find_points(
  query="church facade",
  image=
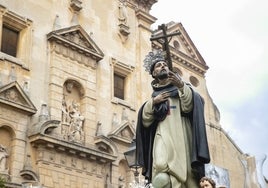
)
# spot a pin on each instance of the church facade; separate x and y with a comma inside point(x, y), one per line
point(71, 84)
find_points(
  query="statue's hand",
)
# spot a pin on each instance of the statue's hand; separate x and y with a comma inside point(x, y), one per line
point(161, 97)
point(175, 79)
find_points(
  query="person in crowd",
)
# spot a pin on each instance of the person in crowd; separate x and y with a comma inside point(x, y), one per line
point(206, 182)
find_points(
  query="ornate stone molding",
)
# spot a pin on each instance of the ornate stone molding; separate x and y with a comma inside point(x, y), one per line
point(76, 44)
point(13, 95)
point(145, 19)
point(145, 5)
point(123, 133)
point(76, 6)
point(29, 175)
point(124, 29)
point(105, 144)
point(123, 19)
point(193, 65)
point(44, 134)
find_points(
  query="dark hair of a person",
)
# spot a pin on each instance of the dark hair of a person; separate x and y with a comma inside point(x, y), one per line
point(211, 181)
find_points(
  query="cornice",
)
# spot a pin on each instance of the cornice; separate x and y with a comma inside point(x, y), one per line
point(145, 5)
point(71, 148)
point(145, 16)
point(123, 133)
point(42, 135)
point(14, 96)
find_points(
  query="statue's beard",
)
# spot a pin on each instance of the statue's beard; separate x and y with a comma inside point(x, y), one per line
point(162, 75)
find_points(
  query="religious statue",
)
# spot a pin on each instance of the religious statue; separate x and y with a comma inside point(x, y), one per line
point(65, 113)
point(76, 122)
point(3, 158)
point(121, 181)
point(122, 13)
point(171, 136)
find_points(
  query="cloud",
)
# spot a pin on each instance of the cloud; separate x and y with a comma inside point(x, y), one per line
point(248, 114)
point(248, 124)
point(252, 20)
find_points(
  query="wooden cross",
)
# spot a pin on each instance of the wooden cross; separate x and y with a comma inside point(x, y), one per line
point(165, 44)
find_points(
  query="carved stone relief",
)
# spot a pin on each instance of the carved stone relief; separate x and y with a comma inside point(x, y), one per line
point(72, 121)
point(77, 38)
point(99, 129)
point(123, 17)
point(12, 74)
point(3, 160)
point(13, 95)
point(76, 6)
point(126, 133)
point(123, 20)
point(75, 43)
point(122, 125)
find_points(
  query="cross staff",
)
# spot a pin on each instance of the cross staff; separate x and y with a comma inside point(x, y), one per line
point(165, 44)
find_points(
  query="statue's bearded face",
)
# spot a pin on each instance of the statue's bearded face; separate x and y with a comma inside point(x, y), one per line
point(161, 70)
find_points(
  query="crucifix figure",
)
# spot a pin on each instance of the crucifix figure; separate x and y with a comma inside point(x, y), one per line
point(165, 45)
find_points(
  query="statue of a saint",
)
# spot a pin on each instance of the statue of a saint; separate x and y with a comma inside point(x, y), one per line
point(76, 123)
point(3, 158)
point(122, 13)
point(170, 125)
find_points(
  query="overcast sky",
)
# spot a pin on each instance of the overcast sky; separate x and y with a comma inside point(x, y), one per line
point(232, 37)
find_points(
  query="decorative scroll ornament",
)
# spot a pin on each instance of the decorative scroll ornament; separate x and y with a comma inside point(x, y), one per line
point(152, 58)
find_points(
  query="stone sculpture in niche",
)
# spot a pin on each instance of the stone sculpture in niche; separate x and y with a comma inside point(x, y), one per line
point(121, 181)
point(65, 114)
point(123, 20)
point(122, 13)
point(3, 159)
point(12, 74)
point(76, 123)
point(72, 120)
